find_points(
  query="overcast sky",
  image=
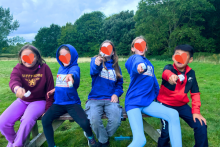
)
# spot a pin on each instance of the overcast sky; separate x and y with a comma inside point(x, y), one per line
point(34, 14)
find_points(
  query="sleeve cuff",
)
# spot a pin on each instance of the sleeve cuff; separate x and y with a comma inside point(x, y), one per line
point(195, 111)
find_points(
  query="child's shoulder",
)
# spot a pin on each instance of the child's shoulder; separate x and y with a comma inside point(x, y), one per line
point(168, 66)
point(44, 66)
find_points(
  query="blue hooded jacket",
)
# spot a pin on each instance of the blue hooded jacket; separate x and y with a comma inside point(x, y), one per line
point(104, 82)
point(143, 88)
point(65, 95)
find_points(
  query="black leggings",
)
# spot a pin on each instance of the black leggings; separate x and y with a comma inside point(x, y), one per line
point(55, 111)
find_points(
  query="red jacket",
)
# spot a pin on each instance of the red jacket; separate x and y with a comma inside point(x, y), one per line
point(176, 95)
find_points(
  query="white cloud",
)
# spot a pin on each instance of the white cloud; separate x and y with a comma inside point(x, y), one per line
point(35, 14)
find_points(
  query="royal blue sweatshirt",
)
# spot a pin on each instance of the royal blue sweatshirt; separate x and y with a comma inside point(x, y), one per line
point(143, 88)
point(104, 81)
point(64, 94)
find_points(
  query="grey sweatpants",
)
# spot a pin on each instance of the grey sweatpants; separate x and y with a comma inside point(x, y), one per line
point(95, 109)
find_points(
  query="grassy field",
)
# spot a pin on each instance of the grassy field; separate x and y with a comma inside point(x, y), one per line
point(71, 135)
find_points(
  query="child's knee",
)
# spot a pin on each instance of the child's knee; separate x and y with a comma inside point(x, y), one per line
point(173, 114)
point(95, 121)
point(202, 129)
point(45, 121)
point(84, 124)
point(2, 124)
point(28, 121)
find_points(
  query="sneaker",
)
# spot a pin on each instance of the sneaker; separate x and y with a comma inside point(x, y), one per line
point(99, 144)
point(105, 144)
point(91, 142)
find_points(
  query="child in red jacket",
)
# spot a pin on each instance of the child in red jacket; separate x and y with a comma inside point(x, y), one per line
point(177, 80)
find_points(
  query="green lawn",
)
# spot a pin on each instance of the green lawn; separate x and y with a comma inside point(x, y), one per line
point(70, 134)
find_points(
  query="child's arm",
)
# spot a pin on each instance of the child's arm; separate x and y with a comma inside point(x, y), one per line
point(196, 103)
point(156, 86)
point(95, 66)
point(49, 87)
point(15, 79)
point(168, 75)
point(51, 92)
point(15, 83)
point(75, 71)
point(167, 72)
point(195, 95)
point(137, 64)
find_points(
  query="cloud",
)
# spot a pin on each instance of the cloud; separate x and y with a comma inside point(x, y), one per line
point(35, 14)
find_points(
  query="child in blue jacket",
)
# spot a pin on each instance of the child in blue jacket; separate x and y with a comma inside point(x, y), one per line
point(104, 97)
point(66, 96)
point(142, 91)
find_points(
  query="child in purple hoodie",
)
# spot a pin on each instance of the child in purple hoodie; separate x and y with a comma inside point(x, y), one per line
point(34, 76)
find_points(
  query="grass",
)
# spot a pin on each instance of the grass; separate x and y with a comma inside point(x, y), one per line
point(70, 134)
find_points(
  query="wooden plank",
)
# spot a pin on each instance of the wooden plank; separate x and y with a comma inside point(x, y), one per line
point(68, 117)
point(34, 130)
point(151, 131)
point(27, 141)
point(40, 138)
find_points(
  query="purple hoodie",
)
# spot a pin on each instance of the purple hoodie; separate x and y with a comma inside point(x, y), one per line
point(37, 79)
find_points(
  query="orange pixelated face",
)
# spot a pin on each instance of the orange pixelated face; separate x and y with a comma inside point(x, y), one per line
point(65, 57)
point(28, 58)
point(139, 47)
point(181, 58)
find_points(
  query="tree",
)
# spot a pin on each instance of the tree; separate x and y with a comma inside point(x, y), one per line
point(120, 29)
point(212, 27)
point(7, 25)
point(69, 35)
point(88, 32)
point(46, 40)
point(166, 23)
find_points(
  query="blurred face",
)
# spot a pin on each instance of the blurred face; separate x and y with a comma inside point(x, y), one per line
point(28, 52)
point(106, 44)
point(64, 52)
point(179, 65)
point(136, 51)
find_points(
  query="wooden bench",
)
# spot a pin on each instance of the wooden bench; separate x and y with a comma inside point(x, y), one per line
point(39, 138)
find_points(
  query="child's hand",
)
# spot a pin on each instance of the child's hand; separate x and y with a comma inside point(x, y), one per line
point(98, 61)
point(51, 92)
point(69, 78)
point(172, 80)
point(140, 69)
point(20, 92)
point(199, 117)
point(114, 98)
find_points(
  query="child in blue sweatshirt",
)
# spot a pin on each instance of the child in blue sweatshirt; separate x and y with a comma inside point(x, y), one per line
point(142, 91)
point(66, 96)
point(104, 97)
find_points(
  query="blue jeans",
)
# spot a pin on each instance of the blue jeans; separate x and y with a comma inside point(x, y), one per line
point(95, 109)
point(200, 131)
point(155, 110)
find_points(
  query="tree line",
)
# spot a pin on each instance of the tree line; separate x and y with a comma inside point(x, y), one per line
point(164, 23)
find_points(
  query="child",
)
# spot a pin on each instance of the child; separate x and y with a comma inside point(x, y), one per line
point(104, 97)
point(66, 96)
point(34, 76)
point(173, 94)
point(143, 89)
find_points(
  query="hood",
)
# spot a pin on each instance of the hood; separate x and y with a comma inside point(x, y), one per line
point(73, 53)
